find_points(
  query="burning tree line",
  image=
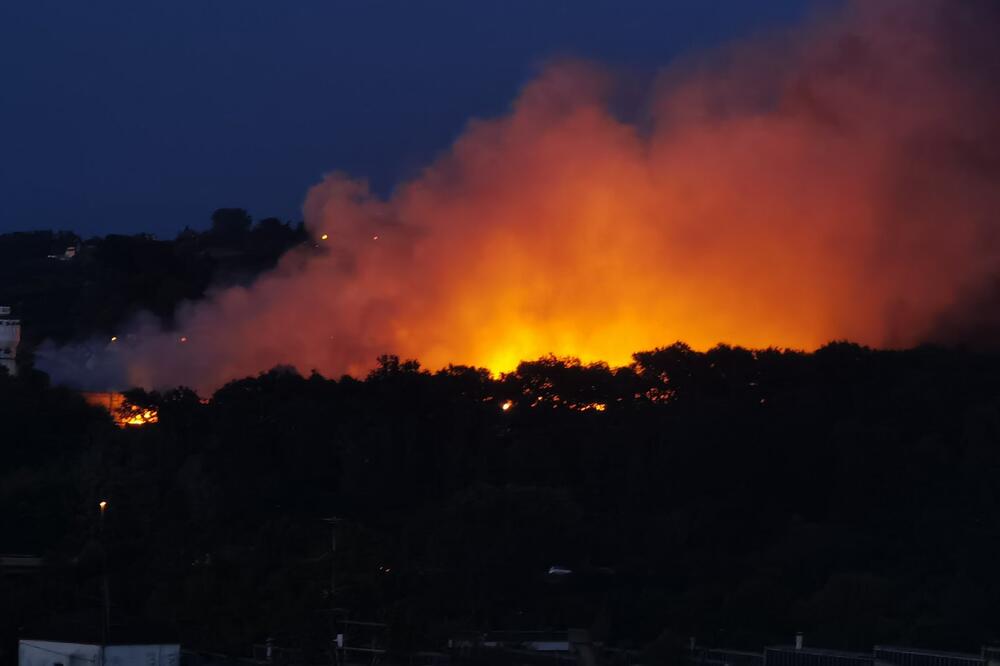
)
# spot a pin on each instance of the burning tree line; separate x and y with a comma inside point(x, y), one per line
point(835, 181)
point(731, 494)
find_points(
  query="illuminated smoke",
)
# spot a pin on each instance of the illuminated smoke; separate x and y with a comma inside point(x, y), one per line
point(836, 182)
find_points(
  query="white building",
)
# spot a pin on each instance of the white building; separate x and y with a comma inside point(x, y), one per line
point(55, 653)
point(10, 338)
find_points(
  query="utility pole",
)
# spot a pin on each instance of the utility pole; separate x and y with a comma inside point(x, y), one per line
point(333, 558)
point(337, 642)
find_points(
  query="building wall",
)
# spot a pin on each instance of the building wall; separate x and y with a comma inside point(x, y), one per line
point(792, 657)
point(53, 653)
point(891, 656)
point(142, 655)
point(50, 653)
point(10, 338)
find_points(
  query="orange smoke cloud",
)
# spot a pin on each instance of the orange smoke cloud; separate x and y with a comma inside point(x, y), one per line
point(838, 182)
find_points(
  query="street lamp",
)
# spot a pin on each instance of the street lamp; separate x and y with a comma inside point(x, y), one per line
point(102, 506)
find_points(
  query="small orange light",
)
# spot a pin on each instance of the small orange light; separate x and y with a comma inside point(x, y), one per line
point(507, 405)
point(324, 236)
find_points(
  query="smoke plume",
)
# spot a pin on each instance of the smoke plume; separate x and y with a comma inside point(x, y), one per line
point(838, 181)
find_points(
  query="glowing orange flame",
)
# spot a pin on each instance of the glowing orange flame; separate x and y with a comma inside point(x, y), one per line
point(765, 201)
point(137, 416)
point(121, 410)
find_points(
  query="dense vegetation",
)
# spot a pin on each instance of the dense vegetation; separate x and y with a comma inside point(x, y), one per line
point(733, 495)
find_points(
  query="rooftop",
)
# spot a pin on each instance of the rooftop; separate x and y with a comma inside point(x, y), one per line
point(929, 653)
point(820, 651)
point(30, 641)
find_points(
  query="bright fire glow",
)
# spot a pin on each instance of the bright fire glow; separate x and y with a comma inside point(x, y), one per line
point(825, 187)
point(121, 410)
point(136, 416)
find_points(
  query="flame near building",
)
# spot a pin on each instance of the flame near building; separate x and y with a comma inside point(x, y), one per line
point(839, 181)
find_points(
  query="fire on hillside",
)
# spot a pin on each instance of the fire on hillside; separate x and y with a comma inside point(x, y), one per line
point(121, 410)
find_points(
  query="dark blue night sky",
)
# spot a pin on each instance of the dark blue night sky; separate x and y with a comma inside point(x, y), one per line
point(139, 116)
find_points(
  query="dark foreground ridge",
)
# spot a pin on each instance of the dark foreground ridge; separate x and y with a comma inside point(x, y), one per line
point(732, 495)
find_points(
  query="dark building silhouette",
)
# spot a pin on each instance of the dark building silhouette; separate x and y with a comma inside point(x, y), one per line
point(791, 655)
point(902, 656)
point(723, 657)
point(881, 655)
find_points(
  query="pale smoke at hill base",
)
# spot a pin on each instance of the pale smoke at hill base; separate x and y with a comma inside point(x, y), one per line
point(838, 182)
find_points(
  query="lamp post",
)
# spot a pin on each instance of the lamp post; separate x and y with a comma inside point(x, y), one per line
point(102, 506)
point(333, 521)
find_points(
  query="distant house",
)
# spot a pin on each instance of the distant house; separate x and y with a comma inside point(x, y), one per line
point(56, 653)
point(68, 254)
point(10, 338)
